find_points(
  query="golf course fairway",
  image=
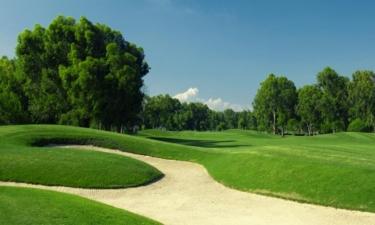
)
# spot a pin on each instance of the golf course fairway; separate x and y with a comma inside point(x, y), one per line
point(333, 170)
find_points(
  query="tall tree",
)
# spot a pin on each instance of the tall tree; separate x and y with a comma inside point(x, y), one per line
point(81, 73)
point(362, 97)
point(334, 104)
point(40, 52)
point(265, 103)
point(308, 107)
point(274, 103)
point(12, 100)
point(287, 100)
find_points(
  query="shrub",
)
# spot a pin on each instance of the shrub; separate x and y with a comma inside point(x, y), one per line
point(358, 125)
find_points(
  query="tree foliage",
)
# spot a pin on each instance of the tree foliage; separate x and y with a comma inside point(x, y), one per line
point(334, 102)
point(165, 112)
point(11, 95)
point(327, 106)
point(308, 107)
point(162, 112)
point(81, 73)
point(362, 97)
point(274, 103)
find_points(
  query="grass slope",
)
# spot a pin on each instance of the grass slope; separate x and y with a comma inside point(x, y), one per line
point(27, 206)
point(67, 167)
point(336, 170)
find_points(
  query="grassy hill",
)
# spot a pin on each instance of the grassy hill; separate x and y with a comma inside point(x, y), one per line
point(28, 206)
point(336, 170)
point(22, 161)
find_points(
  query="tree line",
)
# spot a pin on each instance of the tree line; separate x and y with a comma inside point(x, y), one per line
point(334, 103)
point(165, 112)
point(84, 74)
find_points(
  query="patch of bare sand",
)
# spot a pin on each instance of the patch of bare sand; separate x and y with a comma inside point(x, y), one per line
point(188, 195)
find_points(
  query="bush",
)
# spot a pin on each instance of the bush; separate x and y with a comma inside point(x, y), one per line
point(222, 126)
point(358, 125)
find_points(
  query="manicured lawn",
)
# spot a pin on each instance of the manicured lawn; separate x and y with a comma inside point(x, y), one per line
point(67, 167)
point(336, 170)
point(27, 206)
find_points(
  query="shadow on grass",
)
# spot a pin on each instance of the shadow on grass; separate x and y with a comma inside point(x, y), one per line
point(200, 143)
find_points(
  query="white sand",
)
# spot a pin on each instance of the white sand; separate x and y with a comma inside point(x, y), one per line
point(188, 195)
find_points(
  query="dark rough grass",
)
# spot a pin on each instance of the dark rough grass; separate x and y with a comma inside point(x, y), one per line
point(27, 206)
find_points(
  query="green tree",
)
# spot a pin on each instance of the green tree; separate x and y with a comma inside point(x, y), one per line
point(196, 116)
point(274, 103)
point(81, 73)
point(230, 117)
point(216, 120)
point(160, 112)
point(265, 103)
point(362, 97)
point(358, 125)
point(334, 104)
point(12, 100)
point(308, 107)
point(38, 61)
point(246, 120)
point(287, 100)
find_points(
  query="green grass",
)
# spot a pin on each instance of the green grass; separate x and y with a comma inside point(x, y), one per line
point(27, 206)
point(335, 170)
point(20, 162)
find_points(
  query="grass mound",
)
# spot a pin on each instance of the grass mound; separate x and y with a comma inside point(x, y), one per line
point(27, 206)
point(22, 161)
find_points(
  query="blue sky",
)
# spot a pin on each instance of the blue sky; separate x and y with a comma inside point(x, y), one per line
point(220, 50)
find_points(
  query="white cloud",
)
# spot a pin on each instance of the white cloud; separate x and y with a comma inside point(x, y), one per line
point(213, 103)
point(188, 95)
point(219, 105)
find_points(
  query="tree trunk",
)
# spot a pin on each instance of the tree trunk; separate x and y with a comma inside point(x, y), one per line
point(274, 122)
point(309, 129)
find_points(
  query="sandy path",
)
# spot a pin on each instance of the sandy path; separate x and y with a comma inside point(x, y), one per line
point(188, 195)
